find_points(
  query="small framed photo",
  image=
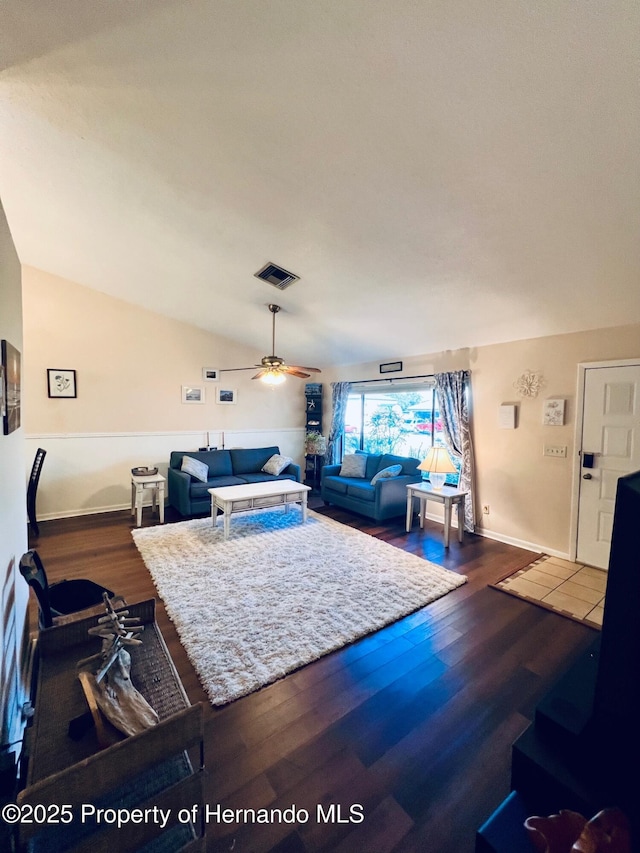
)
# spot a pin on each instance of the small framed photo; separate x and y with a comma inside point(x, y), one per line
point(226, 396)
point(11, 396)
point(507, 416)
point(61, 383)
point(553, 412)
point(210, 374)
point(192, 394)
point(391, 367)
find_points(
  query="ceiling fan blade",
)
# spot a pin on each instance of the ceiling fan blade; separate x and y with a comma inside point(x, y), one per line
point(236, 369)
point(309, 369)
point(293, 371)
point(259, 374)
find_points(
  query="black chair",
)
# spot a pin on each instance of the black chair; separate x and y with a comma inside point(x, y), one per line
point(62, 598)
point(32, 489)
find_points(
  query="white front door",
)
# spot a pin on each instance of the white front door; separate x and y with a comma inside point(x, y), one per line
point(611, 432)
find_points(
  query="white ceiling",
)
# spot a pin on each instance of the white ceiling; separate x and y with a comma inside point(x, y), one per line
point(439, 173)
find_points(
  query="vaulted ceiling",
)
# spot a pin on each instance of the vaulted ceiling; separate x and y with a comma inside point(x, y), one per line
point(439, 173)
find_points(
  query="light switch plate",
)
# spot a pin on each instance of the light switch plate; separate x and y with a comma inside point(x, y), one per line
point(557, 450)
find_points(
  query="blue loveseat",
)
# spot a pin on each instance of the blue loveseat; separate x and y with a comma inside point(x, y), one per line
point(386, 499)
point(226, 468)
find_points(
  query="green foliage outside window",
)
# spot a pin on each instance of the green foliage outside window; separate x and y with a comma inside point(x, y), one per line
point(403, 423)
point(382, 430)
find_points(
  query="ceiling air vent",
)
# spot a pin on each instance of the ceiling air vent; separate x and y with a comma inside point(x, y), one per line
point(276, 276)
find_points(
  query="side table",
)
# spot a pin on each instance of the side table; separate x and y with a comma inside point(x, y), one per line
point(140, 485)
point(447, 495)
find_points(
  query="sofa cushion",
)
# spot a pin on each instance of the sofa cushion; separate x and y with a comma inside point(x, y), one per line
point(249, 460)
point(373, 463)
point(336, 484)
point(409, 465)
point(354, 465)
point(199, 490)
point(386, 473)
point(261, 477)
point(198, 470)
point(361, 491)
point(220, 464)
point(276, 464)
point(219, 461)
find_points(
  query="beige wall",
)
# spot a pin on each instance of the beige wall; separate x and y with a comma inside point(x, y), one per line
point(131, 364)
point(13, 523)
point(529, 495)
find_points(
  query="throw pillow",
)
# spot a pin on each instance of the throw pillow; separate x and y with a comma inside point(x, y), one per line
point(276, 464)
point(354, 465)
point(197, 469)
point(386, 473)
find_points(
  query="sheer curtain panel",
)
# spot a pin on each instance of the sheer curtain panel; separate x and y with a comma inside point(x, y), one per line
point(339, 406)
point(454, 393)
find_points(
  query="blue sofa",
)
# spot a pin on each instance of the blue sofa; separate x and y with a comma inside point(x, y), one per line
point(386, 499)
point(226, 468)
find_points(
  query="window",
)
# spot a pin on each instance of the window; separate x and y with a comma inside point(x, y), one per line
point(405, 421)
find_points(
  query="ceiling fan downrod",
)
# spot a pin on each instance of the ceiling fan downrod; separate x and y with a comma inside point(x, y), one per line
point(274, 310)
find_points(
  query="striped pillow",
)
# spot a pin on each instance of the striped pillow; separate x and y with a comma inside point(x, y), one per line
point(197, 469)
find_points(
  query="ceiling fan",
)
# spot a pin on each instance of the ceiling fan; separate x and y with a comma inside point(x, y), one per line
point(273, 370)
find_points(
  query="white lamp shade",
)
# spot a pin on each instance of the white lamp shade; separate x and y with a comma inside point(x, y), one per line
point(438, 461)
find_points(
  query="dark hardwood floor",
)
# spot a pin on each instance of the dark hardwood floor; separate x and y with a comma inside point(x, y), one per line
point(414, 723)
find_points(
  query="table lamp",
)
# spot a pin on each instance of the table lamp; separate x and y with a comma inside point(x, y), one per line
point(438, 463)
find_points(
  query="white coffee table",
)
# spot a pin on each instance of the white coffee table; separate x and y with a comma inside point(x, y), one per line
point(272, 493)
point(447, 495)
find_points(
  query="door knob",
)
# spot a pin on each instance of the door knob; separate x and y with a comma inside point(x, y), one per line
point(587, 476)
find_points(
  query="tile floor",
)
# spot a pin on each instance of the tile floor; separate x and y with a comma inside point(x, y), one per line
point(568, 588)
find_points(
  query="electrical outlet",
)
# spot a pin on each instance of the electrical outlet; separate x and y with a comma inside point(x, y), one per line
point(485, 509)
point(557, 450)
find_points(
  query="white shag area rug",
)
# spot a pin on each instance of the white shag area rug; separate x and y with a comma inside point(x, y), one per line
point(279, 594)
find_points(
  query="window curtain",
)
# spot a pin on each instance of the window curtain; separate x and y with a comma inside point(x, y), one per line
point(454, 393)
point(339, 408)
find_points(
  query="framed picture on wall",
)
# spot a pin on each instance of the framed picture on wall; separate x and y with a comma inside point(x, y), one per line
point(11, 395)
point(210, 374)
point(61, 383)
point(192, 394)
point(226, 396)
point(553, 412)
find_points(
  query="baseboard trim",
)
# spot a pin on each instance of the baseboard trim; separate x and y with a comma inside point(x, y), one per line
point(521, 543)
point(76, 513)
point(536, 547)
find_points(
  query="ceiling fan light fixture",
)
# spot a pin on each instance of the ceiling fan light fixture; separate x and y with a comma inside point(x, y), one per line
point(273, 377)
